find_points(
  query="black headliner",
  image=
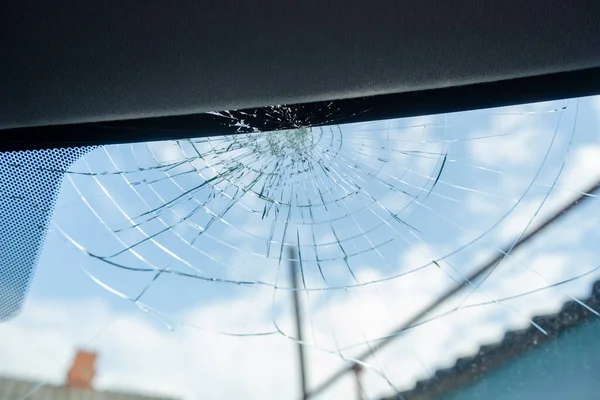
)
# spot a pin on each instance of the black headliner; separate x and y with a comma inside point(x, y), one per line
point(72, 61)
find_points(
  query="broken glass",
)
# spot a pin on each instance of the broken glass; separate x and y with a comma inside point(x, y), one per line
point(171, 259)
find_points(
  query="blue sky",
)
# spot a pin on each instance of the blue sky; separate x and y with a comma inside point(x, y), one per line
point(371, 206)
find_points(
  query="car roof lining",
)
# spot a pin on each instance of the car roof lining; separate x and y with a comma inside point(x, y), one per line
point(68, 62)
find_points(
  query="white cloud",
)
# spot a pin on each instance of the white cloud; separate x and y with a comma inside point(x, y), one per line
point(137, 354)
point(521, 143)
point(166, 151)
point(581, 170)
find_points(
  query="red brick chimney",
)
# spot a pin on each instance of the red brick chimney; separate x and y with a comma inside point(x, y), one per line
point(82, 370)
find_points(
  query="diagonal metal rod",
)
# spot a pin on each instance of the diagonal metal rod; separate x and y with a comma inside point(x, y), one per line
point(451, 292)
point(293, 259)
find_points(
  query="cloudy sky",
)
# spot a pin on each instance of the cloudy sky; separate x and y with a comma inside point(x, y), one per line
point(170, 259)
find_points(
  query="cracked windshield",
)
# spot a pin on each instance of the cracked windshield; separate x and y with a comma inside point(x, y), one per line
point(448, 256)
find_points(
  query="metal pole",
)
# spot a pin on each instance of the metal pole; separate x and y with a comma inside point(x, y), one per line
point(293, 259)
point(357, 369)
point(432, 306)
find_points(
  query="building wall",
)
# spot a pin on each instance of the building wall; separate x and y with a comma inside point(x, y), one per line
point(564, 368)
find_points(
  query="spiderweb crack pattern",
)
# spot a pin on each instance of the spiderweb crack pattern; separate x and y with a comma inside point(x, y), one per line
point(224, 210)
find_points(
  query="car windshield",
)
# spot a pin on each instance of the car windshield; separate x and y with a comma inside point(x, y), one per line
point(447, 256)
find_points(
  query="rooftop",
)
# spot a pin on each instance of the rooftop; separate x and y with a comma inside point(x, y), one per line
point(11, 388)
point(514, 344)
